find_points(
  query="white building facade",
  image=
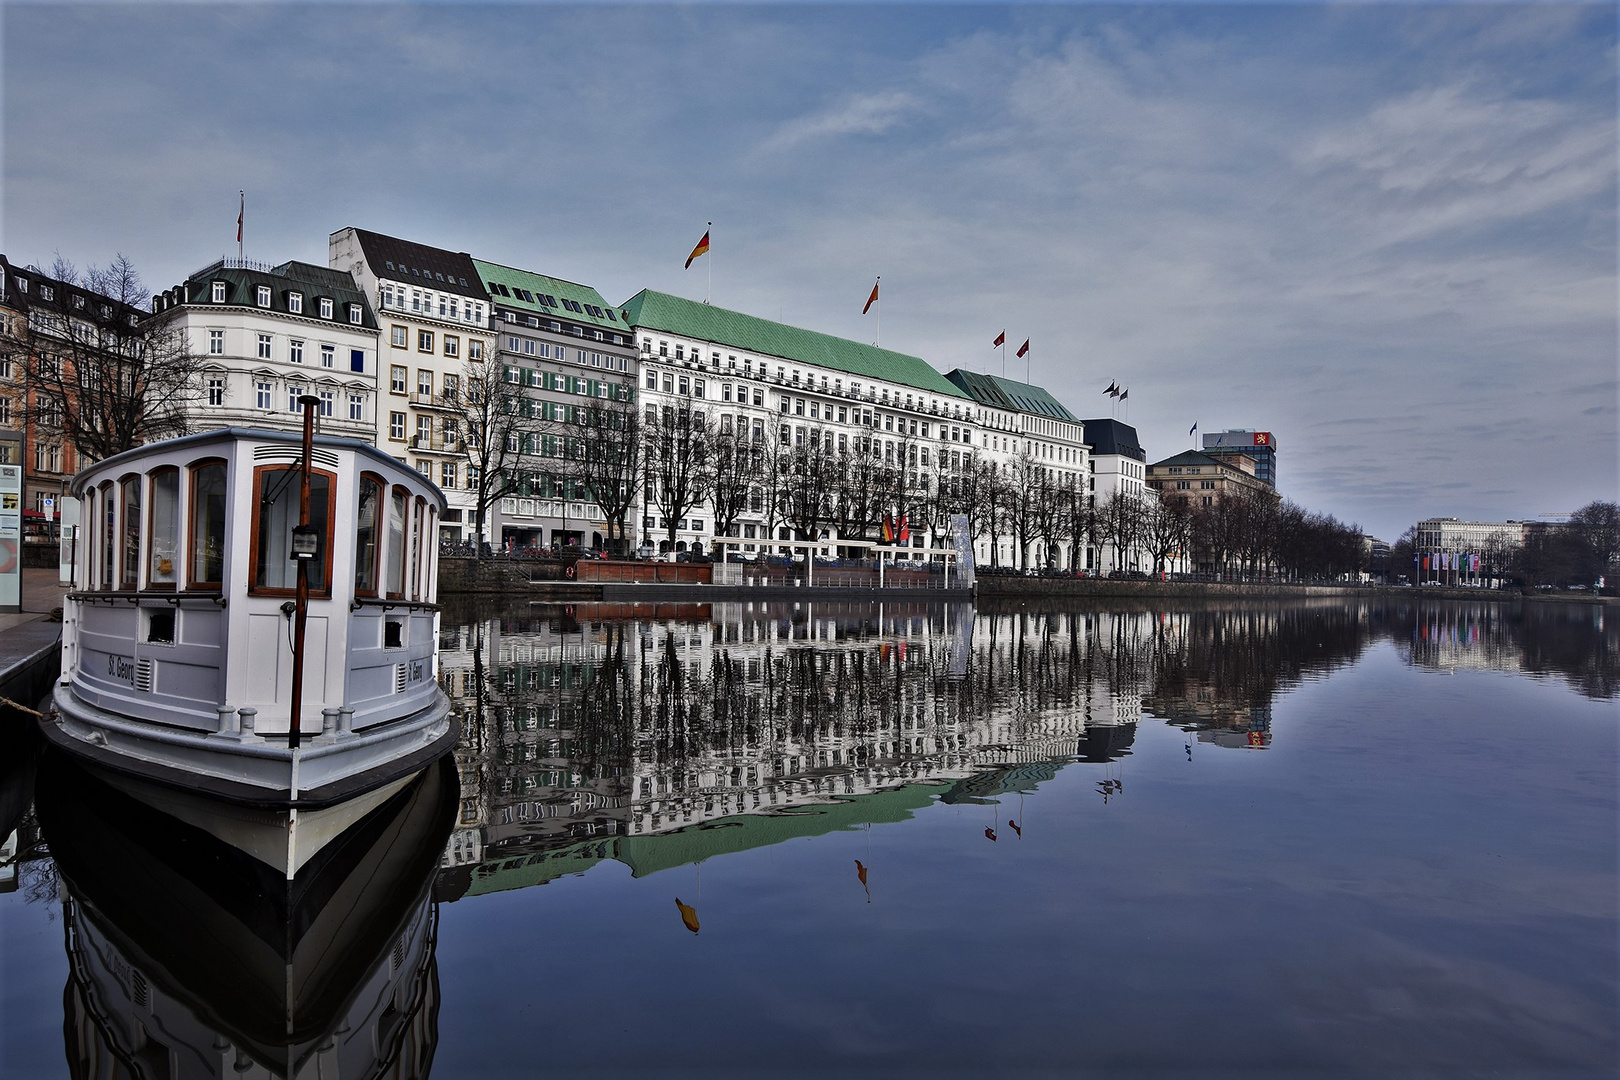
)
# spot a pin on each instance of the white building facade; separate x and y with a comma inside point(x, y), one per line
point(791, 388)
point(433, 319)
point(269, 335)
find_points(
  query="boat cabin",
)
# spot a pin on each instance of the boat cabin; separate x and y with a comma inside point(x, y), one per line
point(181, 615)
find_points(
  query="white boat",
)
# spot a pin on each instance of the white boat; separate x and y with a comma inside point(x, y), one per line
point(178, 657)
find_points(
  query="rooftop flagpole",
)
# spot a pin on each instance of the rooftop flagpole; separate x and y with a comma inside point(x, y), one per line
point(241, 212)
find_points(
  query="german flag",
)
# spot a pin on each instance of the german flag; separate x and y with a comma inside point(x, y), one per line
point(701, 249)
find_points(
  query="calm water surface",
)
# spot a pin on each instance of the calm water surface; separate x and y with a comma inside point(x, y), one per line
point(839, 840)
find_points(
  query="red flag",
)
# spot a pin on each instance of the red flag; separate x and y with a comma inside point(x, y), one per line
point(1024, 348)
point(240, 211)
point(870, 300)
point(1001, 339)
point(701, 249)
point(905, 529)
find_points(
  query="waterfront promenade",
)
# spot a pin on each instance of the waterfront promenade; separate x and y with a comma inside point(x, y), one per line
point(29, 640)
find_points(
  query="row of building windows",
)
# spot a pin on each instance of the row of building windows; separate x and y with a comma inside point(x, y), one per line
point(264, 349)
point(263, 295)
point(399, 337)
point(448, 307)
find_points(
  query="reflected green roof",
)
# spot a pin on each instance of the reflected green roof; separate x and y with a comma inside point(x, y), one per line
point(726, 836)
point(688, 318)
point(495, 275)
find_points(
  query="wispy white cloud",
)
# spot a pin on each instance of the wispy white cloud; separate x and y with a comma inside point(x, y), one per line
point(856, 114)
point(1254, 216)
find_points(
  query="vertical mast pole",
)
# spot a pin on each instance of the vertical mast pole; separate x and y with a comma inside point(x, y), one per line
point(301, 596)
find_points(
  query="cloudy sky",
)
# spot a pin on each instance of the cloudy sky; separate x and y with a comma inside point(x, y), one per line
point(1385, 233)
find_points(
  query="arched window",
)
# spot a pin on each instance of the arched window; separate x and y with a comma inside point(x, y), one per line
point(206, 563)
point(394, 564)
point(418, 518)
point(368, 523)
point(275, 514)
point(129, 562)
point(163, 558)
point(109, 535)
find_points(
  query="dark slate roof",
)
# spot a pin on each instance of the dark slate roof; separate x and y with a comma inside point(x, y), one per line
point(1109, 436)
point(676, 315)
point(408, 261)
point(1010, 394)
point(242, 279)
point(97, 307)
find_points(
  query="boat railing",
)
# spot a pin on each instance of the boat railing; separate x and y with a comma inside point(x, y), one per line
point(140, 596)
point(391, 605)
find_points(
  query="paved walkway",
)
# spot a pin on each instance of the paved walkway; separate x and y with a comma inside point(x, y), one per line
point(24, 637)
point(40, 593)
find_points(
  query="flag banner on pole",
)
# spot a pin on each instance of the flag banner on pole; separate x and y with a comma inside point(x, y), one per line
point(1024, 348)
point(1001, 339)
point(905, 529)
point(888, 529)
point(870, 300)
point(1113, 389)
point(241, 211)
point(1123, 394)
point(701, 249)
point(1193, 430)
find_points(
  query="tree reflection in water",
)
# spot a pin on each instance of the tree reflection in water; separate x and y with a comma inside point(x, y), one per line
point(593, 730)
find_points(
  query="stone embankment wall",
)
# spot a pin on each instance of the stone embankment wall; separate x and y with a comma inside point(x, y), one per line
point(534, 580)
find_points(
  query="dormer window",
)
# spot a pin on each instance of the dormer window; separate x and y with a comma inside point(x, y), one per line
point(216, 292)
point(46, 292)
point(354, 314)
point(78, 303)
point(326, 307)
point(261, 295)
point(295, 303)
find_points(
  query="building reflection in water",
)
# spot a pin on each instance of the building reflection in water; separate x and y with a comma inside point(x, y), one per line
point(659, 735)
point(188, 959)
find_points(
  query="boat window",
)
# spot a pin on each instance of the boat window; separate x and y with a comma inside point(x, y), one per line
point(416, 550)
point(165, 549)
point(207, 562)
point(129, 570)
point(109, 537)
point(395, 575)
point(160, 625)
point(365, 537)
point(275, 512)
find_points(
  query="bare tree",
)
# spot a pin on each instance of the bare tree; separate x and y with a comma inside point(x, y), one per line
point(857, 504)
point(734, 478)
point(500, 424)
point(807, 488)
point(678, 465)
point(602, 448)
point(1166, 526)
point(103, 376)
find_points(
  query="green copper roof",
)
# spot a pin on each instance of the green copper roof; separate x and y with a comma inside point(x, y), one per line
point(1003, 393)
point(688, 318)
point(596, 311)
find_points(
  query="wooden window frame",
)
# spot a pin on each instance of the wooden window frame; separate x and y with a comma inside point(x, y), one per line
point(151, 527)
point(107, 525)
point(125, 583)
point(259, 472)
point(379, 557)
point(189, 522)
point(404, 539)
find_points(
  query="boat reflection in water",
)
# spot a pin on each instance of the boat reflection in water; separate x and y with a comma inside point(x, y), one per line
point(189, 958)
